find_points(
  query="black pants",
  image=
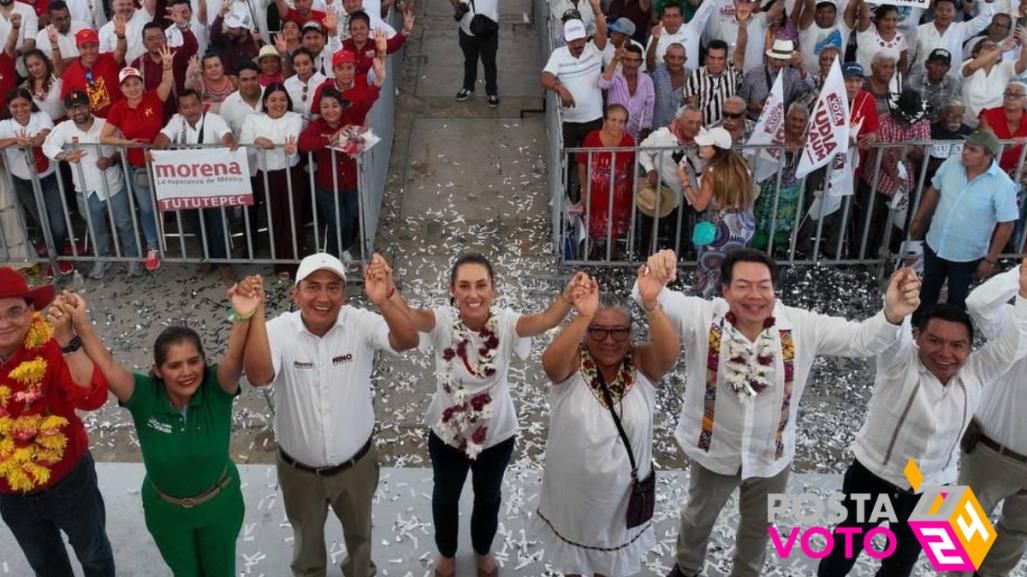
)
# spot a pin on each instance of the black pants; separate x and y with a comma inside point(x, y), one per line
point(449, 471)
point(859, 479)
point(936, 271)
point(872, 205)
point(574, 134)
point(475, 47)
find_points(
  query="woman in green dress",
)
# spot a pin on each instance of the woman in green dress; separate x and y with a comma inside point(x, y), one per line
point(783, 222)
point(182, 412)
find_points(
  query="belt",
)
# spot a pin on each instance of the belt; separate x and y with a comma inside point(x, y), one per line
point(190, 502)
point(1001, 449)
point(331, 470)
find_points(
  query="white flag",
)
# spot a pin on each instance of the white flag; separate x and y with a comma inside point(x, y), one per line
point(770, 129)
point(839, 185)
point(829, 125)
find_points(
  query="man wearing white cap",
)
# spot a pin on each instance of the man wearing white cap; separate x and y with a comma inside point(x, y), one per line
point(320, 358)
point(782, 58)
point(573, 72)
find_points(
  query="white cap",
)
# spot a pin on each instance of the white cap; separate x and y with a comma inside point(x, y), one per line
point(573, 30)
point(320, 261)
point(128, 72)
point(718, 137)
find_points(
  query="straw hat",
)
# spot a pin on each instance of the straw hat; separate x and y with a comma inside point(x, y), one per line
point(646, 200)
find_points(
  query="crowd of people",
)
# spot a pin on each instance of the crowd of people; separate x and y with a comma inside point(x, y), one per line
point(748, 355)
point(665, 81)
point(85, 95)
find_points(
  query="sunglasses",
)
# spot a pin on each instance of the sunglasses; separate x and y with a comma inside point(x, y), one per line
point(733, 114)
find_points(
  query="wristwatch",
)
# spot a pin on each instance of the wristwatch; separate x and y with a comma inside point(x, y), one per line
point(74, 345)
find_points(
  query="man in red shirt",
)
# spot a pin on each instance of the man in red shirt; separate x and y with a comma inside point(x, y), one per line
point(47, 475)
point(94, 73)
point(354, 89)
point(301, 14)
point(8, 75)
point(150, 64)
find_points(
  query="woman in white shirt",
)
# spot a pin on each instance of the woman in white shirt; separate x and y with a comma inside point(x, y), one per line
point(472, 417)
point(43, 84)
point(881, 35)
point(601, 433)
point(277, 181)
point(303, 84)
point(21, 137)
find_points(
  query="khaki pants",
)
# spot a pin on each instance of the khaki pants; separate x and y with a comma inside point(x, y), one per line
point(994, 478)
point(707, 494)
point(307, 497)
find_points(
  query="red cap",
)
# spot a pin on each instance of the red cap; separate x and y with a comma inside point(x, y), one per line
point(86, 36)
point(343, 57)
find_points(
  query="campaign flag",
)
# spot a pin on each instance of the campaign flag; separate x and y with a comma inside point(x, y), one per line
point(770, 129)
point(829, 125)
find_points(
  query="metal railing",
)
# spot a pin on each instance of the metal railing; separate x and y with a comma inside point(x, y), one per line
point(859, 231)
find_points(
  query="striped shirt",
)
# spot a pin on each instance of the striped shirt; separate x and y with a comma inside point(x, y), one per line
point(581, 78)
point(712, 91)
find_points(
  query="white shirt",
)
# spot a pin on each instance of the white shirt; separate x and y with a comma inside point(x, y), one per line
point(29, 25)
point(869, 43)
point(342, 23)
point(984, 90)
point(912, 415)
point(724, 26)
point(277, 130)
point(175, 39)
point(179, 131)
point(503, 423)
point(581, 77)
point(1002, 407)
point(300, 104)
point(51, 102)
point(133, 35)
point(88, 11)
point(688, 35)
point(68, 132)
point(16, 159)
point(810, 37)
point(928, 38)
point(662, 161)
point(66, 42)
point(489, 8)
point(558, 7)
point(322, 385)
point(235, 110)
point(743, 437)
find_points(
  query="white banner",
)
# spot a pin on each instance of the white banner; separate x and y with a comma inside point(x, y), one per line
point(201, 178)
point(770, 129)
point(839, 185)
point(829, 125)
point(925, 4)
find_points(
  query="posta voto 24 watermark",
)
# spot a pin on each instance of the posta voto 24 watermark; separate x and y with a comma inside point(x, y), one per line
point(948, 521)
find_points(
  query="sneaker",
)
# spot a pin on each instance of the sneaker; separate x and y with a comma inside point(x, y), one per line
point(152, 260)
point(99, 270)
point(464, 94)
point(134, 269)
point(493, 101)
point(64, 267)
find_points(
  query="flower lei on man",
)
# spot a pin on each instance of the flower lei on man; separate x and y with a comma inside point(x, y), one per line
point(746, 378)
point(465, 422)
point(33, 441)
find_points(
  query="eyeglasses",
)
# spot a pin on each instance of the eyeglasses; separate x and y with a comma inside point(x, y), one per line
point(619, 334)
point(733, 114)
point(13, 314)
point(1009, 94)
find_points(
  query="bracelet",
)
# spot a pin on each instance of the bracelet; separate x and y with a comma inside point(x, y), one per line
point(235, 317)
point(654, 309)
point(120, 36)
point(74, 345)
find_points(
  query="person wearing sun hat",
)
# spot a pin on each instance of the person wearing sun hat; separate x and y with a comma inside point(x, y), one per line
point(47, 474)
point(971, 209)
point(94, 73)
point(319, 359)
point(781, 58)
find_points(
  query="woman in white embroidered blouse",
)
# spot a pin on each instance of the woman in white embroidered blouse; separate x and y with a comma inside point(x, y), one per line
point(278, 181)
point(593, 364)
point(472, 417)
point(44, 84)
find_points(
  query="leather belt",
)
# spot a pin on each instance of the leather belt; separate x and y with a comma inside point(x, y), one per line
point(190, 502)
point(333, 469)
point(1001, 449)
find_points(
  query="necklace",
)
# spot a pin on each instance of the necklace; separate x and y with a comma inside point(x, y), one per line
point(464, 423)
point(749, 363)
point(620, 385)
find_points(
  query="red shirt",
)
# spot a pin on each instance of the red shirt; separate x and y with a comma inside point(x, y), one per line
point(315, 15)
point(365, 56)
point(316, 137)
point(100, 82)
point(996, 119)
point(61, 397)
point(8, 78)
point(361, 97)
point(154, 71)
point(865, 108)
point(597, 198)
point(143, 122)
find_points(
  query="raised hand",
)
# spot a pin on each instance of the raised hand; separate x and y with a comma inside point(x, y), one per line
point(330, 21)
point(656, 31)
point(51, 34)
point(578, 281)
point(247, 295)
point(74, 305)
point(586, 299)
point(226, 7)
point(61, 321)
point(119, 25)
point(193, 68)
point(290, 145)
point(903, 296)
point(381, 42)
point(378, 65)
point(22, 138)
point(280, 45)
point(408, 19)
point(649, 285)
point(167, 57)
point(377, 280)
point(15, 20)
point(664, 264)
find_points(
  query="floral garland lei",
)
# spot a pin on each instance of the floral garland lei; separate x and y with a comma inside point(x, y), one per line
point(618, 388)
point(746, 378)
point(33, 442)
point(465, 423)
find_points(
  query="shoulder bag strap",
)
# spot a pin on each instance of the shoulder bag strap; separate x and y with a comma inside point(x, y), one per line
point(616, 421)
